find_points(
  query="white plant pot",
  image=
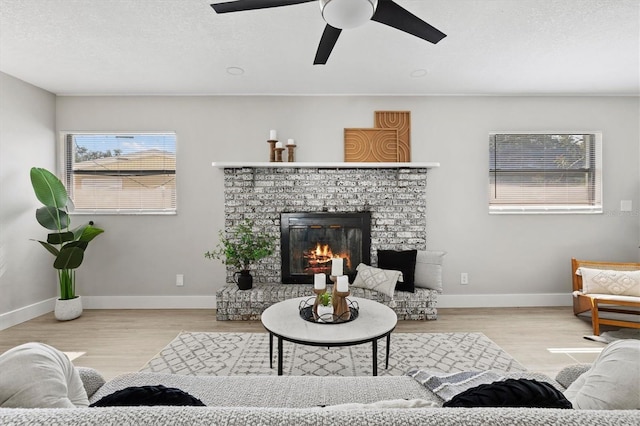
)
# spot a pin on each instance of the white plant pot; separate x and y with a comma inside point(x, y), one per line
point(68, 309)
point(325, 313)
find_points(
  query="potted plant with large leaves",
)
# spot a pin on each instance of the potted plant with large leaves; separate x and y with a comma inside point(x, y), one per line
point(243, 247)
point(67, 245)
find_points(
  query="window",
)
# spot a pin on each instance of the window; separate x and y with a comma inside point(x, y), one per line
point(545, 173)
point(121, 173)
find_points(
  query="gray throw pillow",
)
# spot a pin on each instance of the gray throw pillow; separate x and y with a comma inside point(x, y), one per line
point(380, 280)
point(429, 269)
point(35, 375)
point(613, 381)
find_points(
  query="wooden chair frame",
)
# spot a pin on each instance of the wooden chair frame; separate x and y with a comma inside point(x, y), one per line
point(585, 302)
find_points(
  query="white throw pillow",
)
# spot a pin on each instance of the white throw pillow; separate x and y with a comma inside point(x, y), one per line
point(429, 269)
point(606, 281)
point(380, 280)
point(612, 382)
point(35, 375)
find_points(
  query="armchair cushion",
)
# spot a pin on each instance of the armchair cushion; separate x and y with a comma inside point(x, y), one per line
point(608, 281)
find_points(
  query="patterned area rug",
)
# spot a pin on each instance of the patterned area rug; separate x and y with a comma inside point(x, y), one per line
point(231, 354)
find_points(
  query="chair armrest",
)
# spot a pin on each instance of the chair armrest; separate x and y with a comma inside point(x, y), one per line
point(570, 373)
point(91, 379)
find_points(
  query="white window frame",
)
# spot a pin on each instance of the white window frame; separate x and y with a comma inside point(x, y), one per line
point(67, 177)
point(515, 208)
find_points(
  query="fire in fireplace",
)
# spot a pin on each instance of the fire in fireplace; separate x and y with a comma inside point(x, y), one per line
point(309, 241)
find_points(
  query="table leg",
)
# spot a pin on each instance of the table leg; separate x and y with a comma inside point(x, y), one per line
point(388, 347)
point(374, 346)
point(279, 356)
point(270, 350)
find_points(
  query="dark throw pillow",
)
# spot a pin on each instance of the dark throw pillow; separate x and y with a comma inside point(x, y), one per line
point(147, 395)
point(403, 261)
point(511, 393)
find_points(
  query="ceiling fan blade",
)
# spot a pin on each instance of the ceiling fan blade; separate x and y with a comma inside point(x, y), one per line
point(390, 13)
point(328, 40)
point(240, 5)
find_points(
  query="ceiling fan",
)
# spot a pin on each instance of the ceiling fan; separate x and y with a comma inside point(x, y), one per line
point(342, 14)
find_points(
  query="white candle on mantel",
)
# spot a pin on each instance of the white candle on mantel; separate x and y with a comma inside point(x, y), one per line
point(273, 135)
point(337, 267)
point(278, 144)
point(319, 281)
point(342, 284)
point(291, 142)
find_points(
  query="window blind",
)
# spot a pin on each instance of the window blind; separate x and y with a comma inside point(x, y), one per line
point(545, 172)
point(121, 173)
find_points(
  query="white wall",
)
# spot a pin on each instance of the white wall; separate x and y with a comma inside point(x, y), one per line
point(524, 259)
point(27, 139)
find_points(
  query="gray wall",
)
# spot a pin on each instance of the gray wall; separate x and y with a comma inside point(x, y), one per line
point(524, 255)
point(27, 139)
point(511, 260)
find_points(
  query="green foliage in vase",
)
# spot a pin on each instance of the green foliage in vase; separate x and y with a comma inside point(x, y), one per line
point(243, 246)
point(66, 244)
point(325, 299)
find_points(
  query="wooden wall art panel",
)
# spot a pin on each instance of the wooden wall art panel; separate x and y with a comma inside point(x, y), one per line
point(400, 120)
point(370, 145)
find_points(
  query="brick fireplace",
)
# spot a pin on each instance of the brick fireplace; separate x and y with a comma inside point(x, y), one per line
point(395, 198)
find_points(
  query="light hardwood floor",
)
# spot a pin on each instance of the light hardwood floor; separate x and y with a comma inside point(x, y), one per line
point(119, 341)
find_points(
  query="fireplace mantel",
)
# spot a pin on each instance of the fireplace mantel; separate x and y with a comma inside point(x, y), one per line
point(324, 165)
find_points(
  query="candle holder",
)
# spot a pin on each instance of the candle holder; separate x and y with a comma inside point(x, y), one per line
point(272, 150)
point(291, 155)
point(278, 154)
point(317, 301)
point(340, 307)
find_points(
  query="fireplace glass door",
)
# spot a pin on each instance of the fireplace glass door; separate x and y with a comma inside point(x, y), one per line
point(309, 242)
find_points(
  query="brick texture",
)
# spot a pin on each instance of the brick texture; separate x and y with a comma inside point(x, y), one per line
point(396, 199)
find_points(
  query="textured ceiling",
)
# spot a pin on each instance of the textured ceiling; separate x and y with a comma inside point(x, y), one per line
point(166, 47)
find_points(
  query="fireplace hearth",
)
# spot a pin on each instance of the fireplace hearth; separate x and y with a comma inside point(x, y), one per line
point(310, 240)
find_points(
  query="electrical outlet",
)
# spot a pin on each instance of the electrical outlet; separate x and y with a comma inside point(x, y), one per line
point(626, 205)
point(179, 280)
point(464, 278)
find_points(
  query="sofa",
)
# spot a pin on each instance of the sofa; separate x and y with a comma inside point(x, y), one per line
point(303, 400)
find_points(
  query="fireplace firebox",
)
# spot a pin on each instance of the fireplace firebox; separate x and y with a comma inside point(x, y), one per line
point(310, 240)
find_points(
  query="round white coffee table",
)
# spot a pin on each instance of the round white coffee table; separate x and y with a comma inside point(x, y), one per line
point(374, 321)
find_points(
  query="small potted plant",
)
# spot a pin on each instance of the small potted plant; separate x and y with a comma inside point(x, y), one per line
point(325, 308)
point(243, 247)
point(66, 244)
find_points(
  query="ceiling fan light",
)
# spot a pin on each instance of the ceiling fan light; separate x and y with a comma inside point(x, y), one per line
point(347, 13)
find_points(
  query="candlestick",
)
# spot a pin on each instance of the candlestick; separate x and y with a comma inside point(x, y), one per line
point(278, 154)
point(272, 150)
point(273, 135)
point(291, 151)
point(337, 266)
point(341, 309)
point(319, 281)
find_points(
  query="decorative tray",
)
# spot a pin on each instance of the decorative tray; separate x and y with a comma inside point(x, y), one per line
point(307, 314)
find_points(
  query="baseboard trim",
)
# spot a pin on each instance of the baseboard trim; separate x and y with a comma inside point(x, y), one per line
point(30, 312)
point(503, 300)
point(149, 302)
point(26, 313)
